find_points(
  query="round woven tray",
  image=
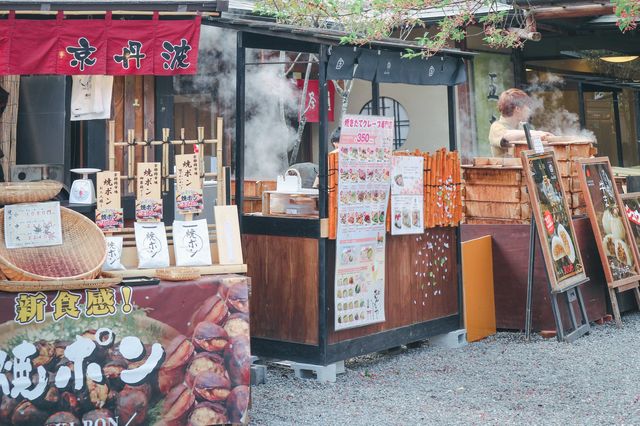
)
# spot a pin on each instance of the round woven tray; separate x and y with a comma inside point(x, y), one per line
point(178, 274)
point(80, 256)
point(28, 192)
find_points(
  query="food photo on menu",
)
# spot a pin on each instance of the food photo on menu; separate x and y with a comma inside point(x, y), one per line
point(555, 218)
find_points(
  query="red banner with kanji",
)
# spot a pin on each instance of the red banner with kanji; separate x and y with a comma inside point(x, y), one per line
point(98, 46)
point(312, 104)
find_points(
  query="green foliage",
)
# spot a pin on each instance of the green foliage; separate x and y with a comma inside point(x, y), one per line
point(366, 20)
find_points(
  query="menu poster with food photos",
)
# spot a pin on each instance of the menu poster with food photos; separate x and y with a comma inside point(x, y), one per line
point(407, 195)
point(364, 163)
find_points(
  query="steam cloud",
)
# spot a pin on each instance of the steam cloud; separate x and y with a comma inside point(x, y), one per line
point(548, 108)
point(271, 100)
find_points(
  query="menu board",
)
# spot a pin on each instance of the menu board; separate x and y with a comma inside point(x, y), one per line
point(610, 226)
point(407, 195)
point(32, 225)
point(364, 163)
point(553, 220)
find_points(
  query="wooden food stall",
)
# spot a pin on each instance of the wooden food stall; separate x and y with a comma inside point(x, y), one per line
point(292, 260)
point(104, 347)
point(497, 204)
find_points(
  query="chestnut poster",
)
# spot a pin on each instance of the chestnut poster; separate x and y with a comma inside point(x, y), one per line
point(176, 353)
point(407, 195)
point(364, 163)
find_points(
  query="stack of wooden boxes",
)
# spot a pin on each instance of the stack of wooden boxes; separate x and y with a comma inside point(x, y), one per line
point(495, 188)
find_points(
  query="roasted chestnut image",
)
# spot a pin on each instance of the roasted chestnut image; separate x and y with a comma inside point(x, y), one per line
point(204, 361)
point(237, 325)
point(69, 402)
point(7, 405)
point(132, 405)
point(178, 403)
point(238, 298)
point(237, 357)
point(237, 403)
point(46, 354)
point(94, 416)
point(144, 388)
point(98, 393)
point(28, 414)
point(214, 310)
point(212, 387)
point(210, 337)
point(59, 347)
point(111, 372)
point(62, 418)
point(50, 399)
point(207, 413)
point(179, 353)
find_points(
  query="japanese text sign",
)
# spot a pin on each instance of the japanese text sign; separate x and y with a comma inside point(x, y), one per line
point(108, 184)
point(187, 172)
point(312, 104)
point(99, 46)
point(148, 181)
point(32, 225)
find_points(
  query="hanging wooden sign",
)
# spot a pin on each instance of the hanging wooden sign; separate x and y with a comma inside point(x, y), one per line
point(553, 220)
point(611, 229)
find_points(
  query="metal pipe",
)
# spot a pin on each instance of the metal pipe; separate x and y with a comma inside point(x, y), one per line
point(581, 106)
point(240, 116)
point(616, 118)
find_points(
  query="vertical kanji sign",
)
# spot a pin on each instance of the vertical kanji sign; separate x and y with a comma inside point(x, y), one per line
point(188, 184)
point(148, 195)
point(99, 46)
point(109, 214)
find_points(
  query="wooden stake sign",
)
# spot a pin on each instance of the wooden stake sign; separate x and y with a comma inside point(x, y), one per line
point(148, 194)
point(611, 229)
point(188, 184)
point(109, 215)
point(553, 220)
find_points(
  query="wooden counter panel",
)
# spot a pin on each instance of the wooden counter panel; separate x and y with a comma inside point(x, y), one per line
point(421, 282)
point(510, 266)
point(284, 287)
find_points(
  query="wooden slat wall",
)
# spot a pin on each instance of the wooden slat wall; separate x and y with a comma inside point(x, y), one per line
point(421, 282)
point(133, 105)
point(284, 289)
point(9, 122)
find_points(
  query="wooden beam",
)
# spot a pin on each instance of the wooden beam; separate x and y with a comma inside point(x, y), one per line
point(568, 12)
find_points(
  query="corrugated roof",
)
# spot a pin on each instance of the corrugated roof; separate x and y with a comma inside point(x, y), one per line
point(128, 5)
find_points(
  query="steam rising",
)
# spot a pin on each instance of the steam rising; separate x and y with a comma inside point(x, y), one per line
point(548, 108)
point(271, 99)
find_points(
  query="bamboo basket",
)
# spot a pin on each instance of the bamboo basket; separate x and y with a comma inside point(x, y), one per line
point(178, 274)
point(28, 192)
point(80, 256)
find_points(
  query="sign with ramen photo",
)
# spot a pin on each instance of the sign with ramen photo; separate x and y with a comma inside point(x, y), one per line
point(553, 220)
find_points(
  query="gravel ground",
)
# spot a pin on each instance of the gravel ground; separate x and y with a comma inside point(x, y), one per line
point(500, 380)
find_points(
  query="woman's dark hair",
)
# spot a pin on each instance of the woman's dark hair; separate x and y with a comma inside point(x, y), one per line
point(335, 136)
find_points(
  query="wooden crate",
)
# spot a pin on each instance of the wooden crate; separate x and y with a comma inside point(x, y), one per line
point(493, 221)
point(493, 209)
point(495, 176)
point(506, 194)
point(564, 148)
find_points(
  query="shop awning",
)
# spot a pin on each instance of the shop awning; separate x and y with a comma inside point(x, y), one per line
point(98, 45)
point(346, 63)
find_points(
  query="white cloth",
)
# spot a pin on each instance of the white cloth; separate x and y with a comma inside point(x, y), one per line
point(91, 97)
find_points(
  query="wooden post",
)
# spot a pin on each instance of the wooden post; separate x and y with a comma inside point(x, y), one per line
point(132, 158)
point(220, 177)
point(165, 158)
point(146, 147)
point(112, 147)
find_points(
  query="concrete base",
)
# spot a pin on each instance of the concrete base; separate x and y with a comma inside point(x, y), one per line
point(452, 340)
point(258, 372)
point(321, 373)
